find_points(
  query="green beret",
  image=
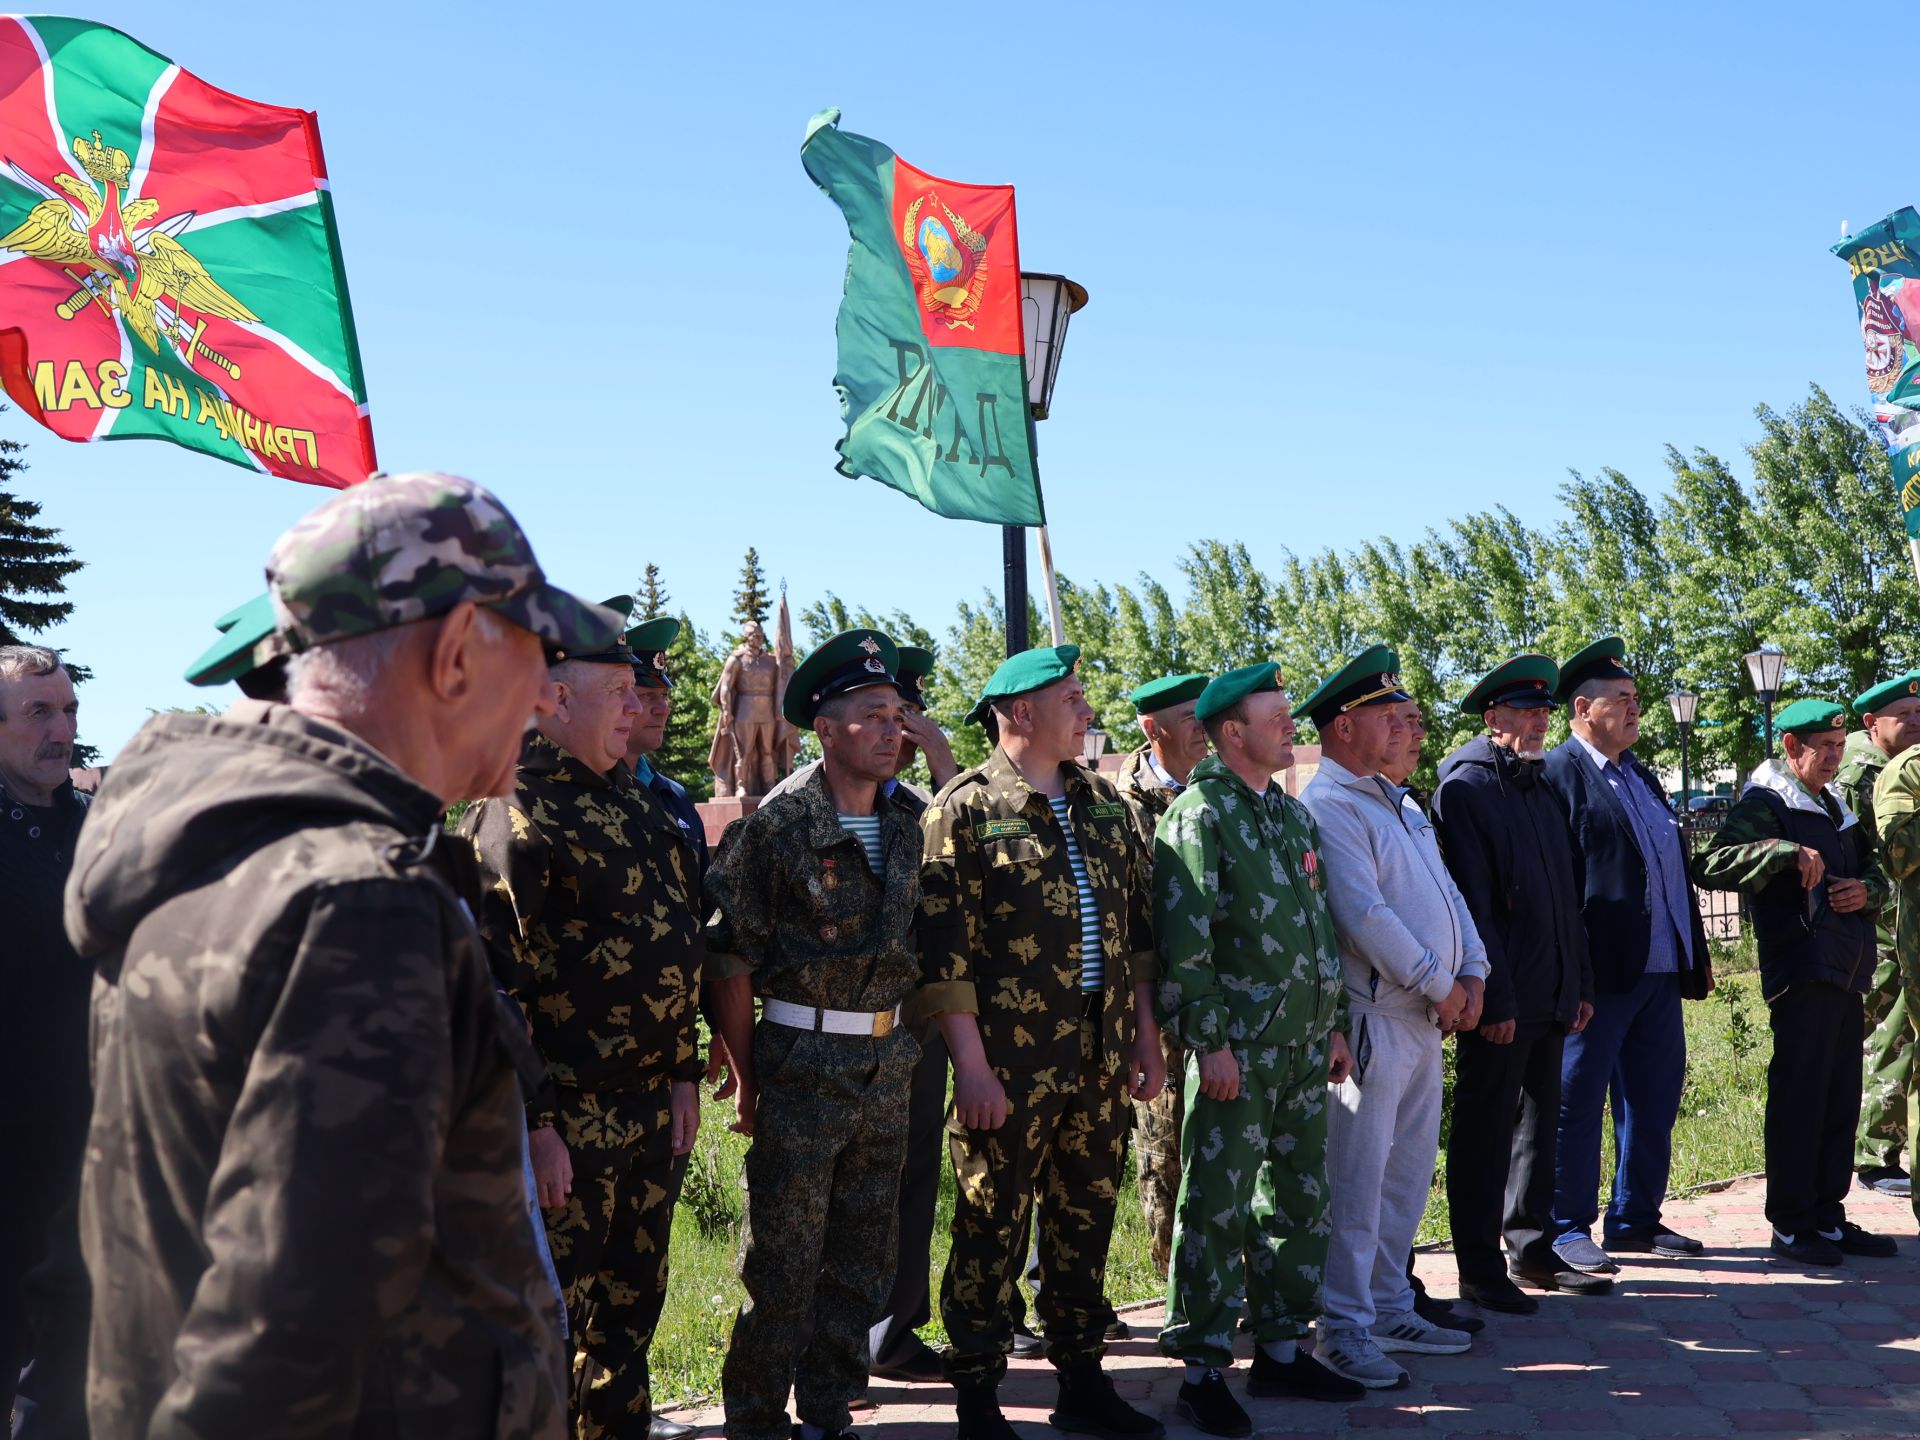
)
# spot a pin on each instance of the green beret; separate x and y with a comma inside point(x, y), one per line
point(915, 665)
point(1027, 671)
point(1223, 692)
point(852, 660)
point(1887, 692)
point(243, 647)
point(1604, 659)
point(1810, 717)
point(649, 641)
point(1527, 681)
point(615, 652)
point(1371, 678)
point(1167, 691)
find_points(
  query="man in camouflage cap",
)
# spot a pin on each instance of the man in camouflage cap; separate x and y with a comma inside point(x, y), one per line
point(813, 899)
point(303, 1206)
point(1890, 716)
point(592, 916)
point(1253, 985)
point(1037, 957)
point(1813, 885)
point(1149, 778)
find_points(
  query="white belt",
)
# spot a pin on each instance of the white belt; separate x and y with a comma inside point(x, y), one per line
point(830, 1022)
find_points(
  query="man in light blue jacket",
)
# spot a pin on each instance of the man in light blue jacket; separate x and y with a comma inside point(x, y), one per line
point(1415, 970)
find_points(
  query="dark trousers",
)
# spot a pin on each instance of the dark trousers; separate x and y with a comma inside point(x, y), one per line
point(1636, 1047)
point(1506, 1112)
point(1813, 1104)
point(891, 1341)
point(44, 1310)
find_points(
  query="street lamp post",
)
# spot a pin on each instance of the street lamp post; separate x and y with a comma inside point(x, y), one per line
point(1685, 705)
point(1093, 747)
point(1047, 303)
point(1765, 667)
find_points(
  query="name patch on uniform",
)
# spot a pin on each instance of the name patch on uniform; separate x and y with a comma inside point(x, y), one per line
point(1108, 810)
point(1000, 829)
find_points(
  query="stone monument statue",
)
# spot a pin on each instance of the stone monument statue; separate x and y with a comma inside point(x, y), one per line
point(753, 745)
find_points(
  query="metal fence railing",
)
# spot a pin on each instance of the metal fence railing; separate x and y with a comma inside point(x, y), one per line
point(1720, 910)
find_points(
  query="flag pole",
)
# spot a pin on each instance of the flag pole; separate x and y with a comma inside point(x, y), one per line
point(1053, 585)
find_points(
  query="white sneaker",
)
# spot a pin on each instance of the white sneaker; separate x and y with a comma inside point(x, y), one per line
point(1414, 1334)
point(1353, 1354)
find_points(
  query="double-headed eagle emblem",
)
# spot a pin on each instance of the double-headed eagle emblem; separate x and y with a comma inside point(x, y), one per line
point(948, 260)
point(139, 271)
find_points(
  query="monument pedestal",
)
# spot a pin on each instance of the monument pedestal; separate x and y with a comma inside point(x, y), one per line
point(716, 815)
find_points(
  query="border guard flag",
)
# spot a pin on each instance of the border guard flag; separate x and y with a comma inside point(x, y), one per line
point(1885, 261)
point(932, 367)
point(169, 267)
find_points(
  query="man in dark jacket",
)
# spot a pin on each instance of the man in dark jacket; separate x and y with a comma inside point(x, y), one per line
point(1508, 847)
point(1648, 950)
point(1814, 884)
point(303, 1207)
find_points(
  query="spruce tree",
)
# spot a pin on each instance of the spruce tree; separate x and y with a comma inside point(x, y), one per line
point(34, 564)
point(650, 596)
point(750, 600)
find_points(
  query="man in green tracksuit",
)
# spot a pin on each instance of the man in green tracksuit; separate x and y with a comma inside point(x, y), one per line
point(1252, 986)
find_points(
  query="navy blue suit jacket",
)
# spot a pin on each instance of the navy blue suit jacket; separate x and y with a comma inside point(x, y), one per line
point(1613, 875)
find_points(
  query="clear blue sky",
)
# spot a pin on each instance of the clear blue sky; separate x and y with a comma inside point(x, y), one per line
point(1353, 272)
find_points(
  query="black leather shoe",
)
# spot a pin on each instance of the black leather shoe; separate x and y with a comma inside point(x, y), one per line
point(1089, 1406)
point(1810, 1248)
point(921, 1367)
point(1567, 1282)
point(1852, 1240)
point(1026, 1344)
point(978, 1410)
point(795, 1433)
point(1301, 1378)
point(1210, 1406)
point(1435, 1311)
point(1501, 1295)
point(1118, 1329)
point(661, 1428)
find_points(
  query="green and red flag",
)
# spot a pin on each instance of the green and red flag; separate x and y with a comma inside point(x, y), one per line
point(932, 365)
point(169, 266)
point(1885, 260)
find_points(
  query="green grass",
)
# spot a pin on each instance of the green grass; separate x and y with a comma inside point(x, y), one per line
point(1718, 1136)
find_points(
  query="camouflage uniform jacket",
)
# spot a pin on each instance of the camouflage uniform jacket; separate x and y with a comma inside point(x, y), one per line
point(1000, 914)
point(1861, 765)
point(1147, 796)
point(1896, 809)
point(303, 1210)
point(1247, 948)
point(591, 914)
point(796, 906)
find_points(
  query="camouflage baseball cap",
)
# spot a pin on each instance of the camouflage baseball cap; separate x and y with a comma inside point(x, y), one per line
point(400, 548)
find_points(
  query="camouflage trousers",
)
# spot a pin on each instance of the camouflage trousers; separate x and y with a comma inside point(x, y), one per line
point(1882, 1138)
point(1254, 1217)
point(1156, 1148)
point(610, 1249)
point(823, 1202)
point(1060, 1154)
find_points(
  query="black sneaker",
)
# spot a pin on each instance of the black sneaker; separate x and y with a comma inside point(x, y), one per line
point(1118, 1329)
point(920, 1366)
point(1811, 1248)
point(843, 1435)
point(1501, 1295)
point(1435, 1311)
point(1301, 1378)
point(1567, 1281)
point(978, 1411)
point(1850, 1239)
point(1089, 1406)
point(1026, 1344)
point(1888, 1180)
point(1210, 1406)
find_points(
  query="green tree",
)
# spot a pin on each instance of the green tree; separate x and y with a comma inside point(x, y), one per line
point(694, 665)
point(34, 567)
point(650, 597)
point(750, 599)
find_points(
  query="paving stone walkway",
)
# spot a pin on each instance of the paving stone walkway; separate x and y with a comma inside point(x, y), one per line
point(1736, 1343)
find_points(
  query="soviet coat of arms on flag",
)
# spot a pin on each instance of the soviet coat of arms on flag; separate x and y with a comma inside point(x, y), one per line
point(169, 266)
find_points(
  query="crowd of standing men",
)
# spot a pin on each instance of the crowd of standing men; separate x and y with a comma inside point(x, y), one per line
point(367, 1127)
